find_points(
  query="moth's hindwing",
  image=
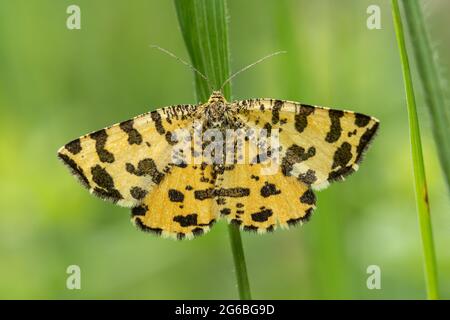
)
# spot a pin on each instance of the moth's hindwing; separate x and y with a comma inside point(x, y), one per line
point(180, 206)
point(262, 202)
point(122, 163)
point(318, 145)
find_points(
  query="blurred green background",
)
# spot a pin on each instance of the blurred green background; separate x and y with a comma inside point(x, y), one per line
point(57, 84)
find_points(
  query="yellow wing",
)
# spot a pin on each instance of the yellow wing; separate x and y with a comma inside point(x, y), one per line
point(318, 145)
point(122, 163)
point(180, 206)
point(262, 202)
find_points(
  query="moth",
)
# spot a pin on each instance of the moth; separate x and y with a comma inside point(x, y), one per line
point(132, 164)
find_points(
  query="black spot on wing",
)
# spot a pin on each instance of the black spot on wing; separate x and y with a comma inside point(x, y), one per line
point(100, 138)
point(301, 119)
point(340, 174)
point(105, 182)
point(146, 167)
point(225, 211)
point(156, 117)
point(308, 197)
point(221, 192)
point(74, 147)
point(346, 170)
point(109, 194)
point(295, 154)
point(342, 156)
point(268, 128)
point(361, 120)
point(138, 193)
point(139, 210)
point(75, 169)
point(101, 177)
point(269, 189)
point(251, 228)
point(197, 231)
point(236, 222)
point(262, 215)
point(305, 218)
point(221, 201)
point(171, 138)
point(186, 221)
point(182, 164)
point(309, 177)
point(134, 137)
point(276, 111)
point(175, 195)
point(141, 226)
point(335, 127)
point(209, 224)
point(204, 194)
point(233, 192)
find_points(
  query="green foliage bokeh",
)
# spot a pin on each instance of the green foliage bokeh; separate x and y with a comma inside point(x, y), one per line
point(57, 84)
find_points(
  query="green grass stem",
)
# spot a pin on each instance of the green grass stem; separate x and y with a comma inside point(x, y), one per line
point(421, 191)
point(430, 81)
point(204, 27)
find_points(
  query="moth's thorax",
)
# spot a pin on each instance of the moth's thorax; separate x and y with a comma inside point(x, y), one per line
point(217, 111)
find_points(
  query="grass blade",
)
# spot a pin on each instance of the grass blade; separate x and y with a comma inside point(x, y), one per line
point(430, 81)
point(423, 208)
point(204, 27)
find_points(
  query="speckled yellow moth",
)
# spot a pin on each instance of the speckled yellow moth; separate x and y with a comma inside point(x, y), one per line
point(131, 163)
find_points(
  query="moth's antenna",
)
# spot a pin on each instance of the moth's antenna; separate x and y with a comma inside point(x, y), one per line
point(249, 66)
point(185, 63)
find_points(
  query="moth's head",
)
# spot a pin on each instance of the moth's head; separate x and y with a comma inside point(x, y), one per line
point(217, 98)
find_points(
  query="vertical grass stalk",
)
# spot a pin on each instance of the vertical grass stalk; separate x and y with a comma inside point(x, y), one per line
point(203, 24)
point(430, 81)
point(423, 208)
